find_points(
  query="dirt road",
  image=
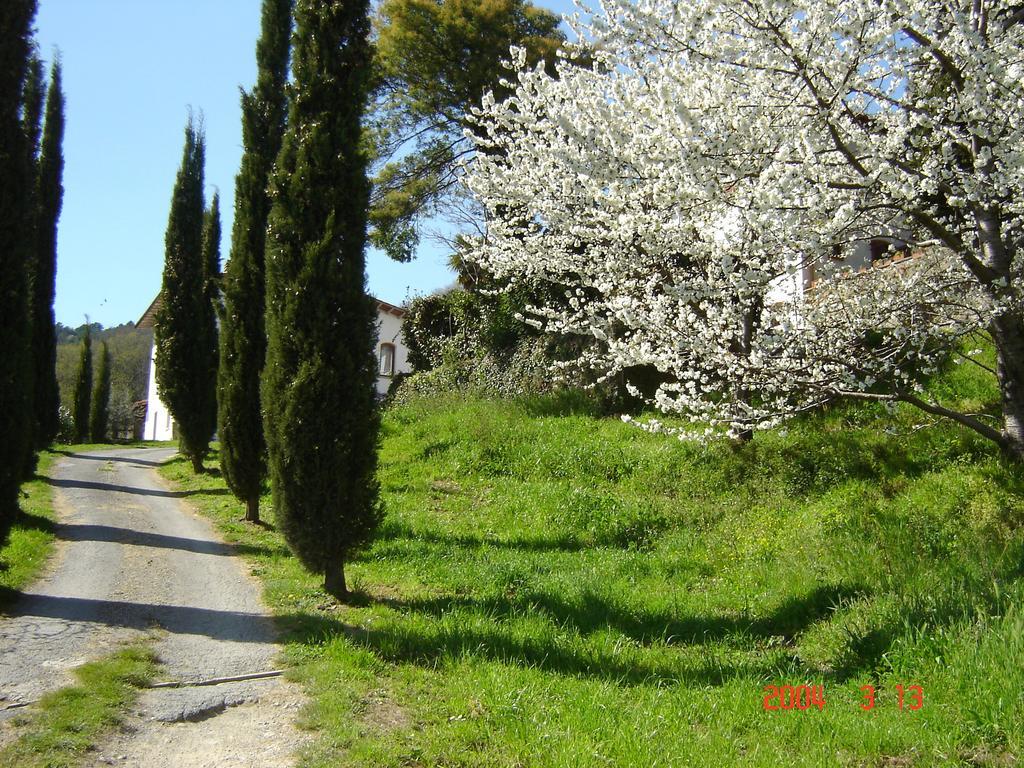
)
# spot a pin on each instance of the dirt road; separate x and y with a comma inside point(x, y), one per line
point(133, 563)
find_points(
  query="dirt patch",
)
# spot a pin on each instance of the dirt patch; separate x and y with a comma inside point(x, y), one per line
point(382, 714)
point(248, 730)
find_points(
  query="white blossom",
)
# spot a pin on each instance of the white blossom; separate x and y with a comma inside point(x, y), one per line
point(686, 190)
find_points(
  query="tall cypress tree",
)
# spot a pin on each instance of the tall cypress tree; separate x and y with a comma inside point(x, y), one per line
point(318, 383)
point(211, 286)
point(49, 196)
point(83, 388)
point(15, 373)
point(242, 337)
point(181, 335)
point(32, 125)
point(33, 99)
point(99, 412)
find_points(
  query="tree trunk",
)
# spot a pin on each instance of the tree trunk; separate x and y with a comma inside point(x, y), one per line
point(1008, 334)
point(334, 580)
point(197, 464)
point(252, 509)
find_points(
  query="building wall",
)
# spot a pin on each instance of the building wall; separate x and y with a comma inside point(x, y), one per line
point(158, 425)
point(389, 331)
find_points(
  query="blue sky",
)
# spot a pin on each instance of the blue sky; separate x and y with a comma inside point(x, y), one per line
point(132, 70)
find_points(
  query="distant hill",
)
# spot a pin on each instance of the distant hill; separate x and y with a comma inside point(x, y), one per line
point(129, 366)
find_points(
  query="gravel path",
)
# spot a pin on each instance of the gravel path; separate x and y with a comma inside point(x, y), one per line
point(134, 563)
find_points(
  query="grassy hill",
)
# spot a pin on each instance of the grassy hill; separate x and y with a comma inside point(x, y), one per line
point(555, 589)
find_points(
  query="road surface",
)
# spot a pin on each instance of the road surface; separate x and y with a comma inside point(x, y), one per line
point(133, 563)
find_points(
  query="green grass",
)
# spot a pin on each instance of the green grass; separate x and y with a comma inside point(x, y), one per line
point(554, 589)
point(62, 729)
point(31, 538)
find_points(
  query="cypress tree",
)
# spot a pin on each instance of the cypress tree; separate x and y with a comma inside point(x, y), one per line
point(49, 196)
point(211, 287)
point(181, 335)
point(15, 372)
point(32, 123)
point(318, 390)
point(83, 388)
point(242, 336)
point(33, 99)
point(100, 411)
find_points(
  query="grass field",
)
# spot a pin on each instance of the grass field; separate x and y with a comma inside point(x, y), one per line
point(28, 545)
point(555, 589)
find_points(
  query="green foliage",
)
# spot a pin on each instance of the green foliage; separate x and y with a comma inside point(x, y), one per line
point(522, 371)
point(130, 350)
point(31, 537)
point(435, 323)
point(211, 307)
point(318, 392)
point(15, 191)
point(472, 342)
point(83, 388)
point(66, 725)
point(434, 62)
point(243, 338)
point(185, 337)
point(99, 413)
point(466, 321)
point(48, 199)
point(32, 102)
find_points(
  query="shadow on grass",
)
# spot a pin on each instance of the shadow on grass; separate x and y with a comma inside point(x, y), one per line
point(29, 522)
point(722, 647)
point(428, 646)
point(592, 613)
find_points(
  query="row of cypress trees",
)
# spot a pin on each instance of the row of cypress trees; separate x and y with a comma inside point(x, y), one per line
point(297, 372)
point(90, 407)
point(31, 192)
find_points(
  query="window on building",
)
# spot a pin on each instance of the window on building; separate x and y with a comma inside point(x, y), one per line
point(387, 359)
point(879, 249)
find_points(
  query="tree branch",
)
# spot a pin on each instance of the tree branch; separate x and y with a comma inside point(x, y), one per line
point(960, 418)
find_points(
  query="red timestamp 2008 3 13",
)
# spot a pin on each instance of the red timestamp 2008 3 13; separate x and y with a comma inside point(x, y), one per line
point(804, 697)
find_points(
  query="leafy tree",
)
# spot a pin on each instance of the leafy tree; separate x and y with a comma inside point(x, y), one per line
point(435, 59)
point(243, 338)
point(182, 328)
point(318, 387)
point(15, 374)
point(83, 388)
point(48, 199)
point(682, 195)
point(99, 413)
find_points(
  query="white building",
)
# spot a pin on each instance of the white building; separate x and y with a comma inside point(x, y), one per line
point(859, 255)
point(392, 359)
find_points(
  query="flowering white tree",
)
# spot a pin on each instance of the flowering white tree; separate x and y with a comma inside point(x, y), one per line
point(680, 192)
